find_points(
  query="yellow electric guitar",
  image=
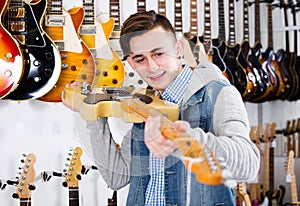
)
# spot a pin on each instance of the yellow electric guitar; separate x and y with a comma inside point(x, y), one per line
point(78, 64)
point(197, 158)
point(109, 67)
point(26, 180)
point(105, 102)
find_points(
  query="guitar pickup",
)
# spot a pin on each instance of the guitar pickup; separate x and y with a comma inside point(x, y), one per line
point(87, 29)
point(16, 12)
point(17, 26)
point(53, 20)
point(60, 45)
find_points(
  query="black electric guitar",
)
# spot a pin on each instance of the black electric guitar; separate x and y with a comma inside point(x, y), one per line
point(232, 50)
point(12, 63)
point(26, 181)
point(73, 175)
point(42, 59)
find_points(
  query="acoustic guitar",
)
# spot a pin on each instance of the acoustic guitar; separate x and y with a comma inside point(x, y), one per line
point(26, 181)
point(78, 64)
point(11, 61)
point(109, 67)
point(73, 175)
point(41, 56)
point(105, 102)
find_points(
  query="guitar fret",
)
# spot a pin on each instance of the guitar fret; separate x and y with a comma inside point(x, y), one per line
point(55, 7)
point(178, 16)
point(141, 5)
point(231, 6)
point(114, 12)
point(162, 7)
point(257, 20)
point(270, 26)
point(246, 21)
point(222, 29)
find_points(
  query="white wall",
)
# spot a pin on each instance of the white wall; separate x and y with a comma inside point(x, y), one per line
point(49, 129)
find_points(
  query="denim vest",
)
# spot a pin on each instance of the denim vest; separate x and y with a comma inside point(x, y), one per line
point(198, 110)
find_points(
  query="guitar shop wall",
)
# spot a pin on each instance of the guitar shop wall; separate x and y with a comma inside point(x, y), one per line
point(53, 132)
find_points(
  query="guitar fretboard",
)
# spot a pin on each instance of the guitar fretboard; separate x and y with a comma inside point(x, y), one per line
point(25, 201)
point(141, 5)
point(89, 12)
point(207, 20)
point(73, 196)
point(231, 16)
point(114, 9)
point(162, 7)
point(222, 35)
point(270, 26)
point(178, 16)
point(257, 20)
point(55, 7)
point(286, 23)
point(193, 18)
point(246, 21)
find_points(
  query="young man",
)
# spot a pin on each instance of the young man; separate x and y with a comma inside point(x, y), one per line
point(210, 108)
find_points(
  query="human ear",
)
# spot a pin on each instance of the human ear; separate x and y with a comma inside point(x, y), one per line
point(180, 47)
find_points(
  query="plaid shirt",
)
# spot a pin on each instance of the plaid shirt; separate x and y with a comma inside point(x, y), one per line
point(173, 93)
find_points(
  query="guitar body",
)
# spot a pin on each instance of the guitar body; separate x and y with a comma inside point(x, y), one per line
point(251, 78)
point(109, 72)
point(77, 60)
point(240, 77)
point(11, 61)
point(277, 196)
point(42, 59)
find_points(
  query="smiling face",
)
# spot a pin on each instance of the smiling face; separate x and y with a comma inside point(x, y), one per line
point(155, 55)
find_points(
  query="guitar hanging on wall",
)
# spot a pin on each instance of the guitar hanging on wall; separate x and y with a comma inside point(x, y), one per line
point(77, 60)
point(109, 67)
point(42, 60)
point(11, 61)
point(26, 180)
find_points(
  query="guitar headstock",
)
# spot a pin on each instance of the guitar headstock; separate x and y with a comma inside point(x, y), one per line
point(74, 169)
point(242, 189)
point(26, 178)
point(290, 163)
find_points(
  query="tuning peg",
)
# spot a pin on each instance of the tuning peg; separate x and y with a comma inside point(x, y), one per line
point(3, 186)
point(78, 176)
point(31, 187)
point(65, 184)
point(15, 195)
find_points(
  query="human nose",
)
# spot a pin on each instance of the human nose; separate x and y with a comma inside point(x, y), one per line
point(152, 65)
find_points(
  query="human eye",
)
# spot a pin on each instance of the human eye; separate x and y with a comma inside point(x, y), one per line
point(140, 60)
point(159, 54)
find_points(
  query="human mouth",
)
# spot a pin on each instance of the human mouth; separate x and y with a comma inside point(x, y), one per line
point(156, 77)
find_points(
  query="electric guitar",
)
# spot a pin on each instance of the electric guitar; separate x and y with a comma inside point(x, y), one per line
point(42, 59)
point(73, 175)
point(230, 57)
point(291, 178)
point(11, 61)
point(109, 67)
point(113, 201)
point(207, 170)
point(105, 102)
point(77, 60)
point(26, 180)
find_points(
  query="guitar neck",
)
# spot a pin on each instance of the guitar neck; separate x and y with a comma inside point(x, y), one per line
point(193, 18)
point(246, 20)
point(162, 7)
point(141, 5)
point(114, 9)
point(294, 190)
point(73, 196)
point(266, 187)
point(89, 12)
point(207, 20)
point(25, 201)
point(231, 16)
point(222, 35)
point(257, 20)
point(178, 16)
point(270, 25)
point(286, 23)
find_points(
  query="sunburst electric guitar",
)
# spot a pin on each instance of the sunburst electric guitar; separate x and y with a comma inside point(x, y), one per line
point(26, 181)
point(11, 58)
point(42, 60)
point(77, 60)
point(109, 67)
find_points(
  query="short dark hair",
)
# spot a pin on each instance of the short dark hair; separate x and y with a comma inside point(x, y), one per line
point(139, 23)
